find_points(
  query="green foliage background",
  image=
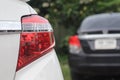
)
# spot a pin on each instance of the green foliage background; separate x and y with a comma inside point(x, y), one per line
point(67, 15)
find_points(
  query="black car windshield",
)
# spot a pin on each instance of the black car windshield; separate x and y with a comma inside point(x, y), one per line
point(101, 22)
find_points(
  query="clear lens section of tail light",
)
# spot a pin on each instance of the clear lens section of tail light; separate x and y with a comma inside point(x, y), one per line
point(36, 40)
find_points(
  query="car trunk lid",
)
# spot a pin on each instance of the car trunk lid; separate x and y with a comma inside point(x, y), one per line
point(100, 43)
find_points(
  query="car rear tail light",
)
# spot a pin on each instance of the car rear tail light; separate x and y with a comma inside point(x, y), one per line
point(36, 39)
point(74, 40)
point(74, 44)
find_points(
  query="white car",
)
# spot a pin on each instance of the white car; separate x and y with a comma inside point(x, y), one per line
point(26, 44)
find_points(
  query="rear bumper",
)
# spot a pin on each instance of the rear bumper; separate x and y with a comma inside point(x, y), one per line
point(45, 68)
point(95, 64)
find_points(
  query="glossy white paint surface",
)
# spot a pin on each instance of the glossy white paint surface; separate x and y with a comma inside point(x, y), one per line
point(12, 10)
point(9, 47)
point(45, 68)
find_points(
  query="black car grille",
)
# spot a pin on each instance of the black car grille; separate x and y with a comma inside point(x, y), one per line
point(93, 32)
point(114, 32)
point(102, 32)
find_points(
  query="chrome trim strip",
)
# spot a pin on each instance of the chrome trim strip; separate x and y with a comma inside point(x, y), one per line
point(7, 27)
point(99, 36)
point(10, 27)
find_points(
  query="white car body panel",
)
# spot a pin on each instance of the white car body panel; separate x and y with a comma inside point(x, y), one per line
point(9, 47)
point(45, 68)
point(12, 10)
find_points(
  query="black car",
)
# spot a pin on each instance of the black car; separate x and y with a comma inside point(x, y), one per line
point(98, 50)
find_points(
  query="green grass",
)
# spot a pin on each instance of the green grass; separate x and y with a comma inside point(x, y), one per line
point(63, 58)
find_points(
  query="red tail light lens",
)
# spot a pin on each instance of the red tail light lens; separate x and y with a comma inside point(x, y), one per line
point(74, 40)
point(36, 39)
point(74, 45)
